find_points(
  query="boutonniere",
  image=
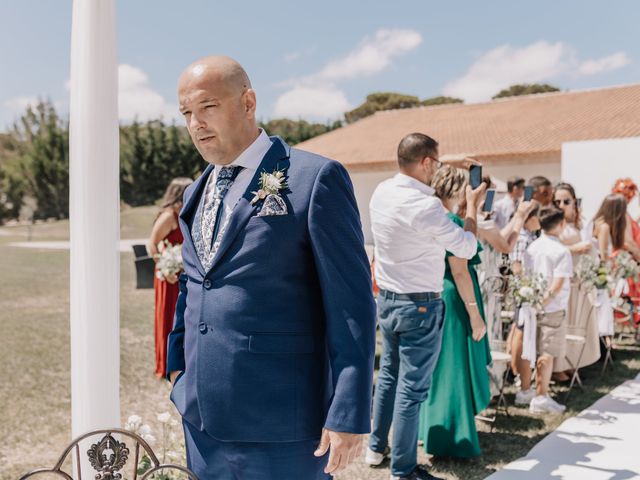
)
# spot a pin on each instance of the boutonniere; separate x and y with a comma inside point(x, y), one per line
point(270, 184)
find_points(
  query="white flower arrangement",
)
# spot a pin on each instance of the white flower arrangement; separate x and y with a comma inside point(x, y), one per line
point(169, 260)
point(172, 445)
point(591, 273)
point(527, 289)
point(270, 184)
point(625, 266)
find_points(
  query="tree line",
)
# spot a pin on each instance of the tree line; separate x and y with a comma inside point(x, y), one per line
point(34, 154)
point(34, 159)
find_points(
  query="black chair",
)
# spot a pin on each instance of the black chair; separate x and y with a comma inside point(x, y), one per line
point(145, 267)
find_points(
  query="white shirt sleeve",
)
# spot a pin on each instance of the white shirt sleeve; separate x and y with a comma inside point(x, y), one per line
point(434, 220)
point(564, 267)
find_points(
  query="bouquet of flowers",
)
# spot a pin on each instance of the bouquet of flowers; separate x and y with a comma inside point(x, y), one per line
point(625, 267)
point(527, 289)
point(593, 274)
point(169, 260)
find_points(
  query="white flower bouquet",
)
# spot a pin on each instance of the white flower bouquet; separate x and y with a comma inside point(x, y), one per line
point(592, 273)
point(527, 289)
point(625, 267)
point(169, 260)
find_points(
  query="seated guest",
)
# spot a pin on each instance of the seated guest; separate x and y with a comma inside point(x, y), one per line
point(506, 206)
point(547, 256)
point(460, 384)
point(519, 365)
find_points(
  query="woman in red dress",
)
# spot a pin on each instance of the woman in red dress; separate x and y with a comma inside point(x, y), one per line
point(166, 228)
point(629, 190)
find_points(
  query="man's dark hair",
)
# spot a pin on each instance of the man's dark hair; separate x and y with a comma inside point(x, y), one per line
point(550, 218)
point(414, 147)
point(539, 181)
point(513, 182)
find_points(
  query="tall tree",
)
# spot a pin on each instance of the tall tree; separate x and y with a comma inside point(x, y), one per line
point(525, 89)
point(43, 140)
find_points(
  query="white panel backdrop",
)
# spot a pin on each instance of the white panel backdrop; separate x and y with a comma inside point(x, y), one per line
point(593, 166)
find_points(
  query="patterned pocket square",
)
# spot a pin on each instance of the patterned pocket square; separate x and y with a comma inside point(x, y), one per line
point(273, 205)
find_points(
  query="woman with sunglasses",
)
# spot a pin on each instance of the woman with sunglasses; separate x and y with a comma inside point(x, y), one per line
point(581, 315)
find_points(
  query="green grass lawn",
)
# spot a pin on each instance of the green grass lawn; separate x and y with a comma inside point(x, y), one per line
point(35, 392)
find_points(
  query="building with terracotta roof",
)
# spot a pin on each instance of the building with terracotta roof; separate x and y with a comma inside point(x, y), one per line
point(518, 135)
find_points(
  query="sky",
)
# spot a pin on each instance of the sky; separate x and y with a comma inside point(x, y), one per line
point(315, 60)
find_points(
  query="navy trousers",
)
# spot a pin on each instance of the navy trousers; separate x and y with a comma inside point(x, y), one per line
point(211, 459)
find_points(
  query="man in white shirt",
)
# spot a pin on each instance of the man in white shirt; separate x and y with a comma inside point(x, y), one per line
point(504, 208)
point(547, 256)
point(411, 233)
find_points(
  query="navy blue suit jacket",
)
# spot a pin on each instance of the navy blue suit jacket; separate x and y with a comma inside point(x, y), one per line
point(277, 339)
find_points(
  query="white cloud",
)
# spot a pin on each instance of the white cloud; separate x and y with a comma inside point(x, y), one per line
point(311, 102)
point(19, 104)
point(317, 96)
point(292, 57)
point(539, 62)
point(372, 56)
point(605, 64)
point(136, 98)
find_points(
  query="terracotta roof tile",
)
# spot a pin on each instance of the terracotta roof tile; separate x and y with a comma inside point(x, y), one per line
point(514, 126)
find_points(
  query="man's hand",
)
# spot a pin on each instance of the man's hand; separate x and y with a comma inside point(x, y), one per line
point(474, 197)
point(524, 208)
point(345, 448)
point(173, 376)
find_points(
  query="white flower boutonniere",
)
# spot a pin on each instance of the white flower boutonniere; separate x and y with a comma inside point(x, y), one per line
point(270, 184)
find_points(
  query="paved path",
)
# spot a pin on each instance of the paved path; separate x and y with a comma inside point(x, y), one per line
point(601, 443)
point(124, 246)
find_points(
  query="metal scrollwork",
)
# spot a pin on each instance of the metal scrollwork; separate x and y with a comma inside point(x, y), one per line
point(108, 457)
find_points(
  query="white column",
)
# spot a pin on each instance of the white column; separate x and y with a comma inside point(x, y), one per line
point(94, 218)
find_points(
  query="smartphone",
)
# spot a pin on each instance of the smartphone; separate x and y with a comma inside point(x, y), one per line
point(475, 176)
point(578, 202)
point(528, 193)
point(488, 201)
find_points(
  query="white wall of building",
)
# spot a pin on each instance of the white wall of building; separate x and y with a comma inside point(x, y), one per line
point(593, 166)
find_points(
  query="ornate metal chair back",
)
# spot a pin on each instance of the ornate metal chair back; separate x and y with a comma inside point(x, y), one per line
point(109, 458)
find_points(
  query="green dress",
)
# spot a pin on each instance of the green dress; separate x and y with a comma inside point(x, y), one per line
point(460, 385)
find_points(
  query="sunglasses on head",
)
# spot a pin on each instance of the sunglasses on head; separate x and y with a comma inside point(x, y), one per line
point(566, 201)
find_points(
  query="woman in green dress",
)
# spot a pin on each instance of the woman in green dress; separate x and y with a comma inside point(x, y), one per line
point(460, 383)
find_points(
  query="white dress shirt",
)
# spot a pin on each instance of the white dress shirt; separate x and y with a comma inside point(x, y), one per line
point(503, 209)
point(250, 160)
point(550, 258)
point(412, 232)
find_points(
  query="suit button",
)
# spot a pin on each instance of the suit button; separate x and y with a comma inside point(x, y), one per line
point(203, 328)
point(207, 284)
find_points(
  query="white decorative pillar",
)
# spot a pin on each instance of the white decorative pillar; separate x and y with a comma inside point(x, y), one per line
point(94, 218)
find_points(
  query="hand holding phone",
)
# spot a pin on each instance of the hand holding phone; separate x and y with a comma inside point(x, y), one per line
point(528, 193)
point(475, 176)
point(487, 207)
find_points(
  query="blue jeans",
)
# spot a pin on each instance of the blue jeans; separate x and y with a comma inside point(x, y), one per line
point(411, 338)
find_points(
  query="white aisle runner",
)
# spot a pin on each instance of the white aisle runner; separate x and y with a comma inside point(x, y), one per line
point(601, 443)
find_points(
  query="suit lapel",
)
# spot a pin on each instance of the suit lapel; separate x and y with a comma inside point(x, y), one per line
point(188, 212)
point(243, 210)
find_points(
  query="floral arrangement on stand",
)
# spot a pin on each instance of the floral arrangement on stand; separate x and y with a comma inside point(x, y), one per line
point(527, 289)
point(593, 274)
point(527, 293)
point(624, 268)
point(169, 260)
point(172, 448)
